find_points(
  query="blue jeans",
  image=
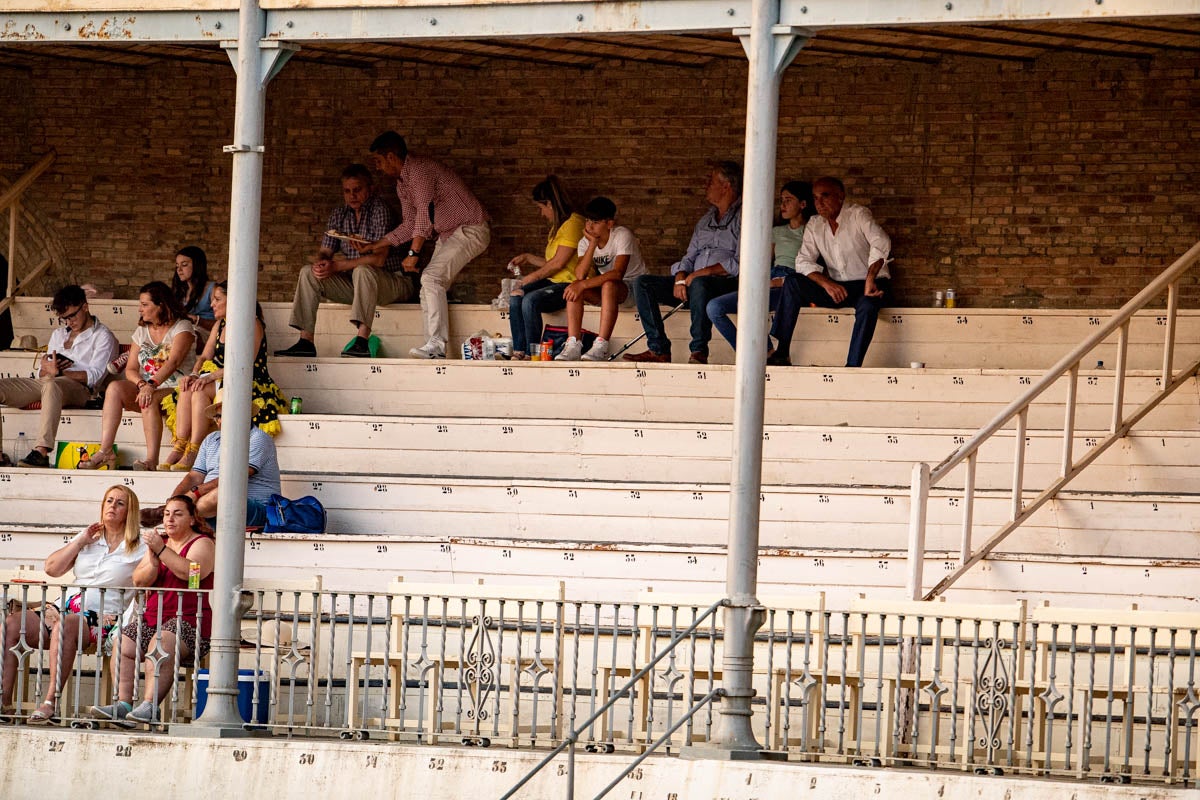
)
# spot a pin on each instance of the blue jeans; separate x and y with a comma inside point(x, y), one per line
point(800, 291)
point(256, 515)
point(651, 291)
point(720, 308)
point(525, 311)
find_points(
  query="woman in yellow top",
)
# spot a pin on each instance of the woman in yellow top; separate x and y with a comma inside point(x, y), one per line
point(542, 290)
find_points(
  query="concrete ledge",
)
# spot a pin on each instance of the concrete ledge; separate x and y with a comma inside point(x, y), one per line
point(62, 763)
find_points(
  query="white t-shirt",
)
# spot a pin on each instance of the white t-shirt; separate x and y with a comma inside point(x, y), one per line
point(96, 567)
point(621, 242)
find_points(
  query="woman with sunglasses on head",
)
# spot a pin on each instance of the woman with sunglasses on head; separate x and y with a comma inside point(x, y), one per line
point(162, 353)
point(175, 626)
point(103, 558)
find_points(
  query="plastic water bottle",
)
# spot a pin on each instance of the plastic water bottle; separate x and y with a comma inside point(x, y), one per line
point(21, 448)
point(517, 291)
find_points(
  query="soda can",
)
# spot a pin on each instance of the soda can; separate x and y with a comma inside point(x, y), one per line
point(193, 575)
point(951, 301)
point(296, 405)
point(939, 299)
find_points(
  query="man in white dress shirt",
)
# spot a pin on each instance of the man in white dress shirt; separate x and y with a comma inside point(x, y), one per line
point(855, 253)
point(74, 367)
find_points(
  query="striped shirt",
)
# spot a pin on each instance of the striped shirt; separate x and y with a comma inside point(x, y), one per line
point(372, 222)
point(432, 198)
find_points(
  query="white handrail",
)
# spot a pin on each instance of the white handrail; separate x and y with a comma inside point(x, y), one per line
point(1019, 408)
point(1072, 359)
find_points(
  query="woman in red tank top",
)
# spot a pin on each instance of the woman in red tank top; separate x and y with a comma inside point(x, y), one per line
point(174, 628)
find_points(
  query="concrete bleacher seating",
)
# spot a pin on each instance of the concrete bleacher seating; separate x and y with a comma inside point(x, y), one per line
point(585, 471)
point(662, 452)
point(993, 338)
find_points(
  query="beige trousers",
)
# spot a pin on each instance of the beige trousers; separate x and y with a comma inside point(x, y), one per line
point(55, 394)
point(362, 288)
point(450, 255)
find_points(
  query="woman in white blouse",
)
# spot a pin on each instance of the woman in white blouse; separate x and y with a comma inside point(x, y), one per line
point(103, 557)
point(162, 352)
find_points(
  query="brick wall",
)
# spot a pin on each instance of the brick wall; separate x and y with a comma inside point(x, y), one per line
point(1066, 183)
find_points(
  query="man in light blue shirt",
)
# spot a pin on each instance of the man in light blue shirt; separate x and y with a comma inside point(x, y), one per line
point(709, 269)
point(201, 481)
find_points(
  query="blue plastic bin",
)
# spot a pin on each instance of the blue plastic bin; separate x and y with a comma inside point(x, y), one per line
point(245, 694)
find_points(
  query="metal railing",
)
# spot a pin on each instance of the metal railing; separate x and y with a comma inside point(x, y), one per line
point(1017, 414)
point(628, 690)
point(1064, 692)
point(10, 200)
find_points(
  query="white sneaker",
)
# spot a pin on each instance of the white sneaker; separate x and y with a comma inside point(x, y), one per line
point(431, 349)
point(597, 352)
point(570, 351)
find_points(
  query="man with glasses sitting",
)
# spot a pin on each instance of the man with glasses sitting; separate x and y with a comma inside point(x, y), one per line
point(73, 369)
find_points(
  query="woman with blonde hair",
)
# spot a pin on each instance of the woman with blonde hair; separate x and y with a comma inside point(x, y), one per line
point(176, 624)
point(103, 557)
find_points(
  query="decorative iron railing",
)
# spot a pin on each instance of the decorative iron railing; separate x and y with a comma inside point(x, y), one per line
point(996, 688)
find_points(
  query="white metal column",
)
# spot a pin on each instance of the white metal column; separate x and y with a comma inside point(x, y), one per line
point(221, 716)
point(770, 48)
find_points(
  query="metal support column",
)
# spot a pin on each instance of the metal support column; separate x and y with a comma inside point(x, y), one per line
point(770, 48)
point(221, 717)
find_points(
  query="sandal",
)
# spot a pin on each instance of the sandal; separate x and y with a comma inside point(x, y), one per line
point(189, 457)
point(178, 449)
point(144, 465)
point(8, 715)
point(42, 715)
point(98, 460)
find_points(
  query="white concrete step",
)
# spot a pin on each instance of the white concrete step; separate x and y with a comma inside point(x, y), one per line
point(922, 398)
point(942, 338)
point(369, 563)
point(663, 452)
point(603, 514)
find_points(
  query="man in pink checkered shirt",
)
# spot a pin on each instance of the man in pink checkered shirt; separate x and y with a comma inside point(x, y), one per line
point(434, 201)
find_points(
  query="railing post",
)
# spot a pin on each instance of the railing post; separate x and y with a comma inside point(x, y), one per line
point(968, 508)
point(1068, 452)
point(14, 211)
point(1118, 409)
point(1169, 341)
point(919, 500)
point(1018, 482)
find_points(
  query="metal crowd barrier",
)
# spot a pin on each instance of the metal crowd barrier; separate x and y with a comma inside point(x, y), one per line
point(998, 688)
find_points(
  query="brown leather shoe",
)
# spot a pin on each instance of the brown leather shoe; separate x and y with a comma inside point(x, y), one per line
point(698, 358)
point(649, 356)
point(151, 516)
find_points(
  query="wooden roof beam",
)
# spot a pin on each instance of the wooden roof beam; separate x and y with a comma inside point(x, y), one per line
point(829, 36)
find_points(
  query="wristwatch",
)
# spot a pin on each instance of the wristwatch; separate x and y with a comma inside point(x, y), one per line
point(412, 253)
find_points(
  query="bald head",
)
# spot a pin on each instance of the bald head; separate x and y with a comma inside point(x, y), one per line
point(829, 195)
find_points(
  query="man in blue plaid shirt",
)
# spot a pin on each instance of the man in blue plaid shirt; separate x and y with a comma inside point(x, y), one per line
point(342, 274)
